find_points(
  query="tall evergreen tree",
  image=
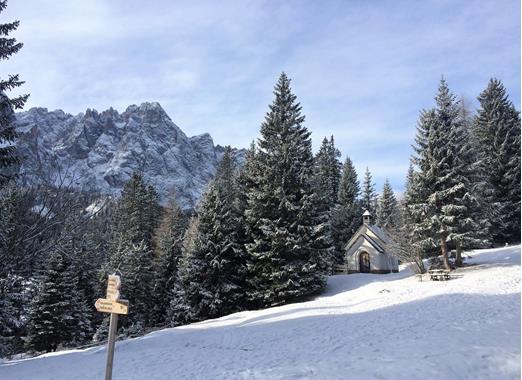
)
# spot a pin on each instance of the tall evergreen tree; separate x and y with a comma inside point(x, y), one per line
point(497, 130)
point(346, 216)
point(212, 272)
point(411, 234)
point(286, 252)
point(442, 200)
point(418, 210)
point(369, 198)
point(58, 313)
point(387, 211)
point(169, 240)
point(471, 219)
point(132, 249)
point(349, 188)
point(327, 175)
point(8, 134)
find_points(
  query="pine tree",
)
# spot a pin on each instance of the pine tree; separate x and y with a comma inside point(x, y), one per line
point(169, 240)
point(442, 188)
point(410, 236)
point(212, 272)
point(132, 250)
point(471, 217)
point(349, 188)
point(12, 304)
point(387, 211)
point(8, 134)
point(418, 211)
point(58, 313)
point(327, 174)
point(497, 130)
point(346, 216)
point(284, 224)
point(369, 199)
point(13, 298)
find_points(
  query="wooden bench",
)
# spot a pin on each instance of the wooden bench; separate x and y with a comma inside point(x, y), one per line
point(340, 269)
point(439, 274)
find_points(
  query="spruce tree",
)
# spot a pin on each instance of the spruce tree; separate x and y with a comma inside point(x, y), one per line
point(8, 134)
point(58, 314)
point(13, 302)
point(497, 130)
point(410, 236)
point(471, 217)
point(327, 175)
point(349, 188)
point(369, 198)
point(286, 250)
point(346, 216)
point(169, 240)
point(417, 210)
point(387, 211)
point(132, 250)
point(443, 199)
point(212, 272)
point(13, 297)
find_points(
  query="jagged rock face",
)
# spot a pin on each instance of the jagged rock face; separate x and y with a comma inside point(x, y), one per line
point(100, 151)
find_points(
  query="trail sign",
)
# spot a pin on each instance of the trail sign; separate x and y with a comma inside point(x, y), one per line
point(109, 306)
point(113, 288)
point(113, 305)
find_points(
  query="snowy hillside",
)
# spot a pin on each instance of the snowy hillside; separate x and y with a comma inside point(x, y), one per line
point(364, 326)
point(100, 151)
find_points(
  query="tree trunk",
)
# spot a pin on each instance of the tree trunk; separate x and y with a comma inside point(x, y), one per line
point(458, 258)
point(444, 248)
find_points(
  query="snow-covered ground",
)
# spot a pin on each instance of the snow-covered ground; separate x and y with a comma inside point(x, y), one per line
point(363, 327)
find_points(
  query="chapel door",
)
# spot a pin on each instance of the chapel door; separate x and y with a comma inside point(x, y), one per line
point(364, 262)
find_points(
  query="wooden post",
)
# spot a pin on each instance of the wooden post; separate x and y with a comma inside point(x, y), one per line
point(115, 306)
point(113, 327)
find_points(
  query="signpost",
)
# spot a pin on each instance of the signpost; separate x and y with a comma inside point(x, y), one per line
point(113, 305)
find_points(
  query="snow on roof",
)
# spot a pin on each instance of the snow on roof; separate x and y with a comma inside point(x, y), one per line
point(367, 213)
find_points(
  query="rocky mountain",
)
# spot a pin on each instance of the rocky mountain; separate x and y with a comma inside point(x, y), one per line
point(100, 150)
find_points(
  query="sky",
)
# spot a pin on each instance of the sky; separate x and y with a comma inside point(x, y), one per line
point(362, 70)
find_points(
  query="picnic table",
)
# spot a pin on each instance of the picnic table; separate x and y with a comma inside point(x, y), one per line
point(439, 274)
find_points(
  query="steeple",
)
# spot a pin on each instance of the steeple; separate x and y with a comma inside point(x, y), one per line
point(367, 218)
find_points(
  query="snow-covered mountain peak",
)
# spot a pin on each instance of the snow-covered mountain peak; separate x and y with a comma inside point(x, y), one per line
point(101, 150)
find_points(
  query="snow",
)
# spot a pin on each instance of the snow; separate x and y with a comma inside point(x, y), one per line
point(363, 326)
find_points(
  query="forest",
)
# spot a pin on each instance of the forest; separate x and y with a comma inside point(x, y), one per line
point(266, 232)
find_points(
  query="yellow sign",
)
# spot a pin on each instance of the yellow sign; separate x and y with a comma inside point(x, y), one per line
point(109, 306)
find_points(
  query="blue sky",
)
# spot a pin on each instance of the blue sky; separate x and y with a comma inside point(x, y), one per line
point(362, 70)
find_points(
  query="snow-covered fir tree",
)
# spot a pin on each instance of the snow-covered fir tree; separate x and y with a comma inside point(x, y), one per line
point(497, 130)
point(417, 210)
point(58, 313)
point(287, 246)
point(132, 249)
point(212, 271)
point(471, 217)
point(443, 202)
point(387, 208)
point(346, 215)
point(410, 236)
point(8, 134)
point(327, 175)
point(13, 298)
point(169, 240)
point(369, 197)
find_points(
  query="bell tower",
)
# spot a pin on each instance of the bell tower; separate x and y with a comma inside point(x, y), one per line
point(367, 218)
